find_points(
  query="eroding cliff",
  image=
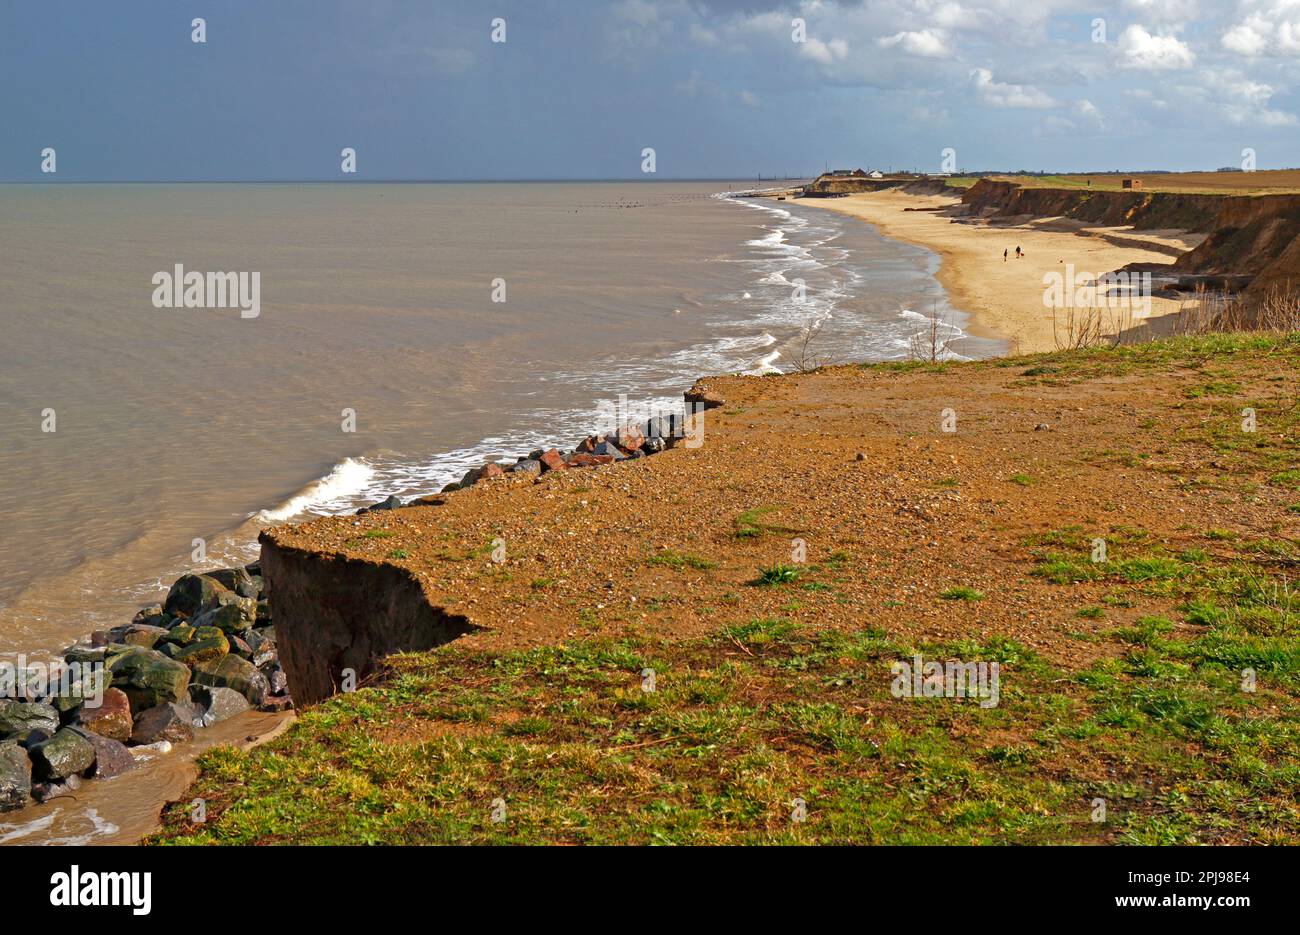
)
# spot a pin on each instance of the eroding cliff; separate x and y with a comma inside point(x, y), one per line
point(995, 198)
point(334, 613)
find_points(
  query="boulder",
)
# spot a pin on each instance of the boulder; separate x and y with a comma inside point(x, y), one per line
point(237, 580)
point(18, 717)
point(582, 461)
point(552, 461)
point(653, 445)
point(277, 680)
point(276, 703)
point(526, 466)
point(236, 673)
point(587, 445)
point(111, 719)
point(212, 647)
point(152, 615)
point(228, 618)
point(489, 470)
point(470, 478)
point(264, 607)
point(216, 703)
point(628, 437)
point(67, 753)
point(112, 758)
point(391, 502)
point(140, 634)
point(191, 595)
point(610, 449)
point(84, 655)
point(149, 678)
point(15, 776)
point(172, 722)
point(450, 488)
point(180, 634)
point(240, 648)
point(264, 656)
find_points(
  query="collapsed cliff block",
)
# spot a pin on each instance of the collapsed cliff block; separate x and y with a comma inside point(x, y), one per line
point(334, 613)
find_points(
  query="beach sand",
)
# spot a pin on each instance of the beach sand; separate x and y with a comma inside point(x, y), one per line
point(1006, 298)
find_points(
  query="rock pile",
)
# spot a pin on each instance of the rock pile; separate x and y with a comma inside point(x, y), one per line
point(205, 654)
point(625, 442)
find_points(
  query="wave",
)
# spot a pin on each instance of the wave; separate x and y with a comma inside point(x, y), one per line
point(344, 481)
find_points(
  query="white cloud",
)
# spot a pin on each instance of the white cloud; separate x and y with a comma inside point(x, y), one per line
point(1088, 110)
point(926, 43)
point(703, 35)
point(825, 53)
point(1140, 49)
point(1172, 12)
point(998, 94)
point(1265, 27)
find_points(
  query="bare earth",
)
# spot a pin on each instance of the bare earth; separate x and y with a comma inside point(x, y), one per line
point(1123, 673)
point(1006, 298)
point(600, 551)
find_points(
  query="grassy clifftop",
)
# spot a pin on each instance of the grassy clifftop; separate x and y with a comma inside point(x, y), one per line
point(1156, 679)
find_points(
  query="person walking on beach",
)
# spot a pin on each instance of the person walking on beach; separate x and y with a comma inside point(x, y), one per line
point(1018, 253)
point(1004, 256)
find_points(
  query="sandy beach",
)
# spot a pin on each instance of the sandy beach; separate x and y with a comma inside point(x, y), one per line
point(1006, 298)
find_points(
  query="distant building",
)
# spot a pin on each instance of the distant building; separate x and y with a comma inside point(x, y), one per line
point(1131, 183)
point(877, 174)
point(847, 174)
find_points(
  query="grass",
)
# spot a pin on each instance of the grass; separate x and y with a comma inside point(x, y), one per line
point(752, 525)
point(776, 575)
point(961, 593)
point(742, 723)
point(1178, 703)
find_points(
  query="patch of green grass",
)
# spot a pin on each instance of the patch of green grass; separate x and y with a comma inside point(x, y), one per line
point(1090, 613)
point(1289, 478)
point(1213, 388)
point(777, 574)
point(398, 553)
point(743, 722)
point(1023, 480)
point(752, 525)
point(961, 593)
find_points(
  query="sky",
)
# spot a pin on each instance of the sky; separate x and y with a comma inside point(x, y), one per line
point(716, 88)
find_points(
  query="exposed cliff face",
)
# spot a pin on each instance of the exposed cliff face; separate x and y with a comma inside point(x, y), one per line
point(1252, 236)
point(1143, 210)
point(334, 613)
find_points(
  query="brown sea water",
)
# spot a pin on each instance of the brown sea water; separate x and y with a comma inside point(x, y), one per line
point(177, 424)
